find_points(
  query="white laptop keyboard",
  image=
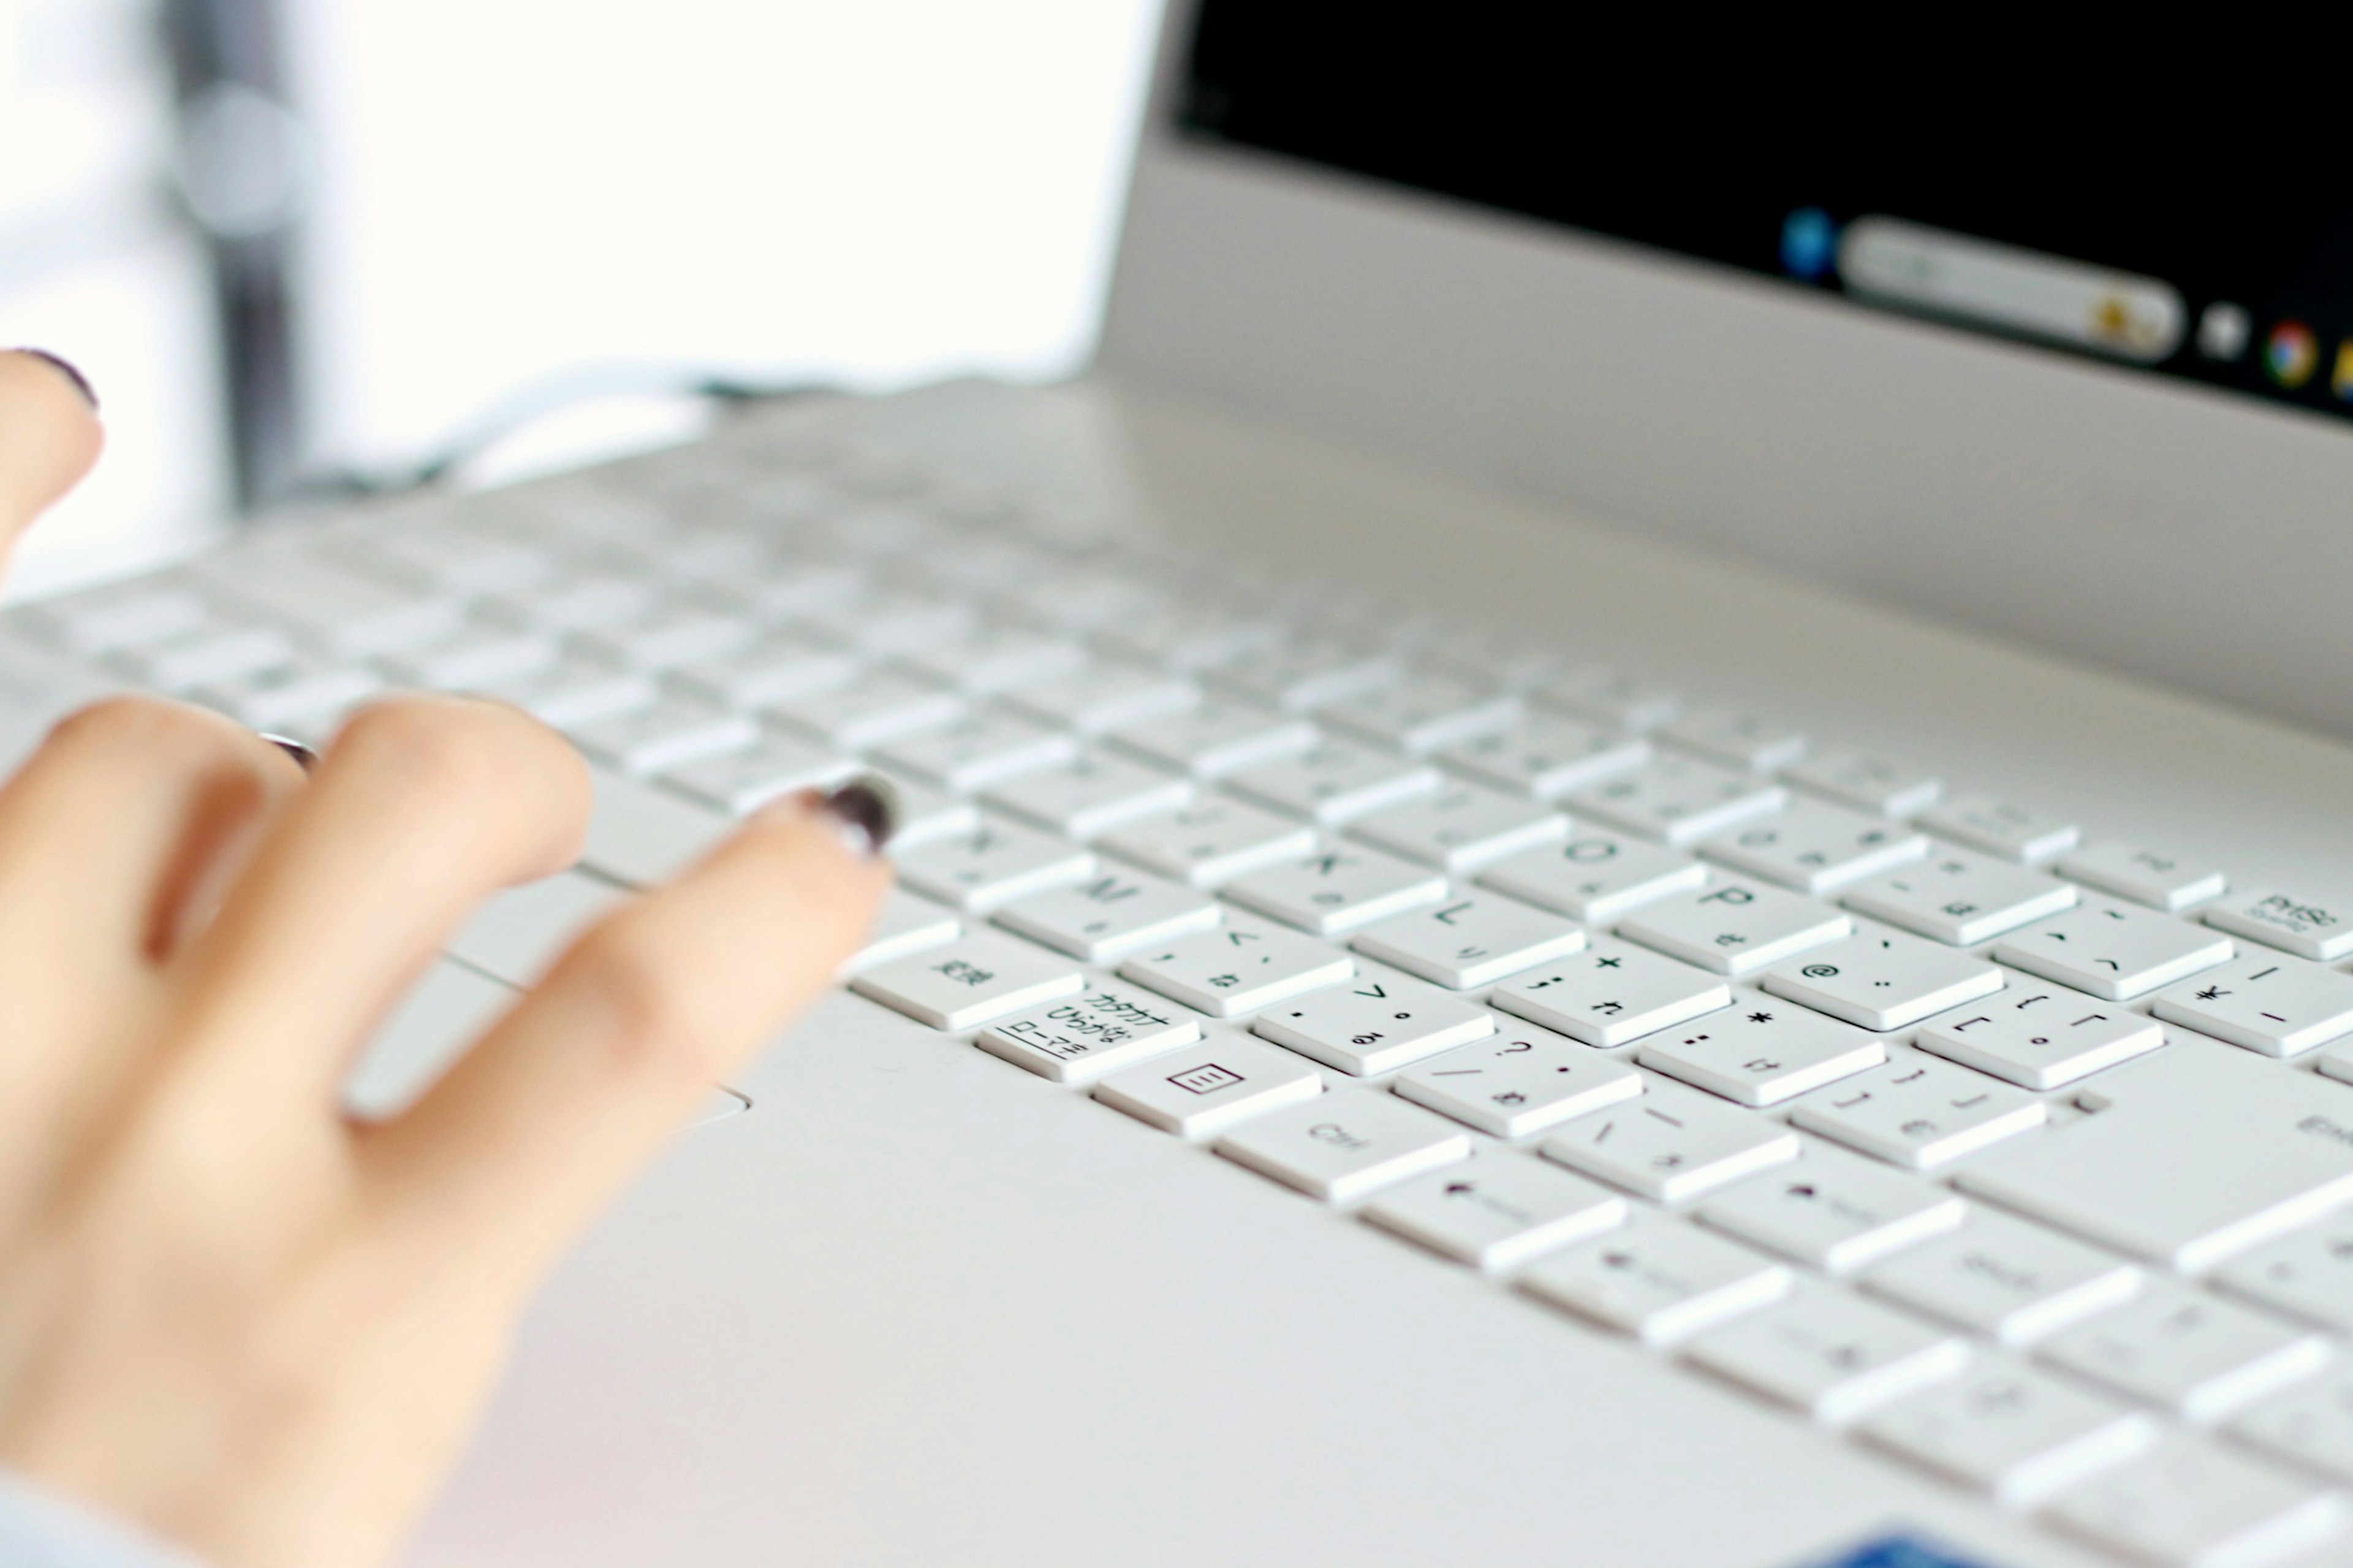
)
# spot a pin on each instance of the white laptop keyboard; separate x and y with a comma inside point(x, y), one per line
point(2019, 1154)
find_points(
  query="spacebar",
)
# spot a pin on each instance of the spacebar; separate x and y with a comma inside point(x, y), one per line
point(2202, 1153)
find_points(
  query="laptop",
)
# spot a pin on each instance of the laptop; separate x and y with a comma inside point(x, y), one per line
point(1628, 847)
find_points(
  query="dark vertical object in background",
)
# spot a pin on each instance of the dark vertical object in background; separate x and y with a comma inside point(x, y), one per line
point(228, 82)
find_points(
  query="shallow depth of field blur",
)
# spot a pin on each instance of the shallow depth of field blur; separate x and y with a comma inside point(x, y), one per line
point(494, 204)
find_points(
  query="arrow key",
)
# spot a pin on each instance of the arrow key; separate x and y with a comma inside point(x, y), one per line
point(1499, 1211)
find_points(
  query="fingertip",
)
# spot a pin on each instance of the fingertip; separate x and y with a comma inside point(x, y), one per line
point(50, 433)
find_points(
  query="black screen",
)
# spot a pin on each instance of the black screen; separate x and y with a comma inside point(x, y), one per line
point(2123, 191)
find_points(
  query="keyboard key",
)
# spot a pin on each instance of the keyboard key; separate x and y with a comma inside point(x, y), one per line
point(1299, 677)
point(2189, 1505)
point(894, 623)
point(1202, 1090)
point(1750, 742)
point(575, 691)
point(1735, 929)
point(1612, 994)
point(1080, 1040)
point(877, 707)
point(2012, 832)
point(1660, 1279)
point(2201, 1152)
point(2144, 876)
point(1672, 1144)
point(213, 653)
point(1960, 899)
point(1594, 877)
point(1333, 782)
point(2292, 921)
point(2279, 1005)
point(2114, 950)
point(1104, 696)
point(2195, 1355)
point(1544, 756)
point(1238, 968)
point(1460, 828)
point(2307, 1273)
point(518, 934)
point(1346, 1144)
point(777, 668)
point(1471, 941)
point(1373, 1025)
point(1612, 697)
point(1760, 1052)
point(305, 689)
point(473, 656)
point(977, 749)
point(1520, 1080)
point(1090, 796)
point(1884, 983)
point(926, 815)
point(740, 783)
point(1183, 638)
point(1214, 738)
point(1817, 848)
point(993, 864)
point(2005, 1278)
point(1836, 1357)
point(2312, 1426)
point(130, 615)
point(1498, 1211)
point(2017, 1435)
point(1836, 1211)
point(654, 738)
point(1422, 713)
point(969, 982)
point(678, 635)
point(1108, 915)
point(991, 658)
point(1211, 843)
point(1678, 800)
point(640, 836)
point(1867, 783)
point(1921, 1112)
point(2041, 1037)
point(1336, 890)
point(907, 924)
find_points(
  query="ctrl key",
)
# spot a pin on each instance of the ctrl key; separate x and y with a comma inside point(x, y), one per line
point(1209, 1087)
point(968, 983)
point(1346, 1144)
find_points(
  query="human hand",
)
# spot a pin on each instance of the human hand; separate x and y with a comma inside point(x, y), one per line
point(228, 1313)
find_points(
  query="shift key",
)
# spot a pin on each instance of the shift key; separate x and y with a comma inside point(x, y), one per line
point(2201, 1152)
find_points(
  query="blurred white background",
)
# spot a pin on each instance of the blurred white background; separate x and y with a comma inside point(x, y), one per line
point(513, 195)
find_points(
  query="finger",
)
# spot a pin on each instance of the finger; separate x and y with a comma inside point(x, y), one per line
point(49, 437)
point(112, 837)
point(422, 807)
point(525, 1140)
point(112, 831)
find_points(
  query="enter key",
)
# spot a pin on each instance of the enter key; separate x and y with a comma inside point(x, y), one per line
point(2197, 1151)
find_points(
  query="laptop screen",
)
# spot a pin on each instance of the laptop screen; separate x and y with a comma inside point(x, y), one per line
point(2139, 201)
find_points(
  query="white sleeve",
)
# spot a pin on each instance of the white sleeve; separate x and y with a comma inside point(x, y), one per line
point(39, 1529)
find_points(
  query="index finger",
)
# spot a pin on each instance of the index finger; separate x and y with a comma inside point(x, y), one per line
point(49, 437)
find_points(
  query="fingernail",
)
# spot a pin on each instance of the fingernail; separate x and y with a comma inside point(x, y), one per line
point(865, 811)
point(304, 757)
point(64, 368)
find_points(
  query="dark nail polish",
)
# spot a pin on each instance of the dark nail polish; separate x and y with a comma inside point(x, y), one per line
point(82, 381)
point(868, 810)
point(304, 757)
